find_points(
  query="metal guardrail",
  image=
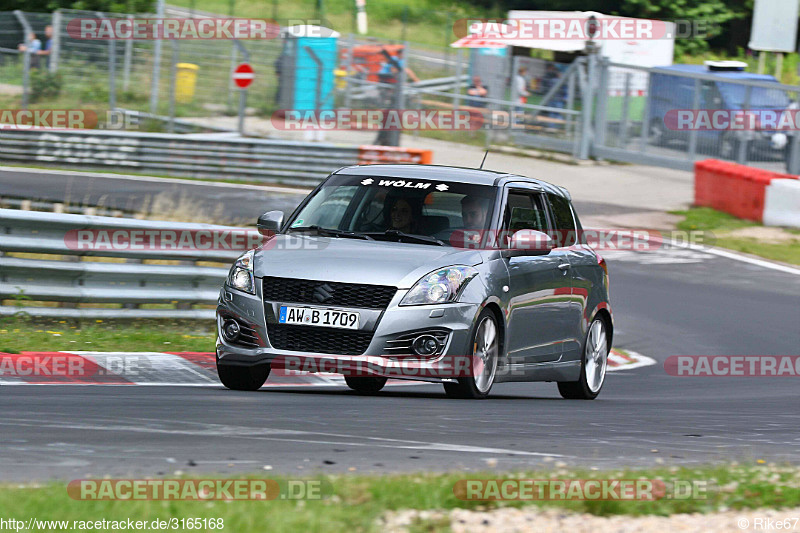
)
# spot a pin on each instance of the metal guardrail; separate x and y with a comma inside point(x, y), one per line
point(70, 281)
point(201, 156)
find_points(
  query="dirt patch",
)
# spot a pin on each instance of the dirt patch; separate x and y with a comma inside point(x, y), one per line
point(764, 234)
point(10, 90)
point(535, 519)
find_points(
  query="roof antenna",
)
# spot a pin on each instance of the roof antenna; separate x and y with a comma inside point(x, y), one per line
point(484, 159)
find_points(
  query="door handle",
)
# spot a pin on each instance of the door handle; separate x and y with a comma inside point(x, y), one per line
point(564, 266)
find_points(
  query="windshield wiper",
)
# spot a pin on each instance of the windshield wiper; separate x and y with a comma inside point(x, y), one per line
point(400, 235)
point(327, 232)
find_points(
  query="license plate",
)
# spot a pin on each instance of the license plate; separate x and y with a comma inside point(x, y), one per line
point(327, 318)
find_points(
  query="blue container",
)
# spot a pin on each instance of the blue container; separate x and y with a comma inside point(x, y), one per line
point(309, 85)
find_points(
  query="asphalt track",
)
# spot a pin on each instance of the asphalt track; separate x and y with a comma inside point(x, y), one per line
point(670, 302)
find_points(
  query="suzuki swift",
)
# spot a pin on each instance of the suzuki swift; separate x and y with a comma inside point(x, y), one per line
point(457, 276)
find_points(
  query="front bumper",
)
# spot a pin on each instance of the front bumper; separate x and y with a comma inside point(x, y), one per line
point(393, 322)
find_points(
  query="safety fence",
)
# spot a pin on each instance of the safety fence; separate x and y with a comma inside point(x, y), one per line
point(200, 156)
point(42, 262)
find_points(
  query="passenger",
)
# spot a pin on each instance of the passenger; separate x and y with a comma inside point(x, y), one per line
point(403, 214)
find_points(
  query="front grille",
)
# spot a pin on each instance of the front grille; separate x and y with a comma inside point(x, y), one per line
point(305, 291)
point(318, 340)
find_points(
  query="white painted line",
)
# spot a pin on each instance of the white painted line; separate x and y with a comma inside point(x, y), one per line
point(152, 179)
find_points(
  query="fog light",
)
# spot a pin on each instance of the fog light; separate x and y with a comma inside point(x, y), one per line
point(231, 330)
point(425, 345)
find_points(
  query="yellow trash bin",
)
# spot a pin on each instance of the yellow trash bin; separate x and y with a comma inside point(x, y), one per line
point(185, 81)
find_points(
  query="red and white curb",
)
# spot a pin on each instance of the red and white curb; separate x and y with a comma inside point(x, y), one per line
point(196, 369)
point(627, 360)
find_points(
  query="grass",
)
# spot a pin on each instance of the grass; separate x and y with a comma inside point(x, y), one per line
point(18, 334)
point(722, 225)
point(357, 503)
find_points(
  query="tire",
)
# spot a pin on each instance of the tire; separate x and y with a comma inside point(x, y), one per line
point(365, 385)
point(594, 362)
point(729, 147)
point(245, 378)
point(485, 354)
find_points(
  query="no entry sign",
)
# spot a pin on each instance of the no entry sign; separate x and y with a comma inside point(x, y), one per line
point(243, 75)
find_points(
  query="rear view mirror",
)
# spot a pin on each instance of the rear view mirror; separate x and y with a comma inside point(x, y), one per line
point(270, 223)
point(529, 242)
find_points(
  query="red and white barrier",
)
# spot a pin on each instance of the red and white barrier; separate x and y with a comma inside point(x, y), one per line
point(782, 203)
point(772, 198)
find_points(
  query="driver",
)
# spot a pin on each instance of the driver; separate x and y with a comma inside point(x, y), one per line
point(473, 212)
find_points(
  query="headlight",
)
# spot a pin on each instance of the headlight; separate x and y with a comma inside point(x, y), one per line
point(241, 275)
point(440, 286)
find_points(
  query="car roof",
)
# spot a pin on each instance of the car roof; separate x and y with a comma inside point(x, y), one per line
point(702, 69)
point(473, 176)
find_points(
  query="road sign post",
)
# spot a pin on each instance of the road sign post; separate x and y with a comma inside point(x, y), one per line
point(243, 76)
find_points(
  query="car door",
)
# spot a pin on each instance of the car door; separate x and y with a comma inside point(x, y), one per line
point(574, 260)
point(536, 309)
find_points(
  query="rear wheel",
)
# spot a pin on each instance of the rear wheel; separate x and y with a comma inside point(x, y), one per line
point(485, 352)
point(247, 378)
point(365, 385)
point(593, 365)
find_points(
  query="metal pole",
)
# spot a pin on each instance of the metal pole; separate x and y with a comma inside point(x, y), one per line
point(693, 134)
point(762, 62)
point(622, 141)
point(231, 86)
point(26, 57)
point(242, 92)
point(741, 153)
point(586, 116)
point(112, 68)
point(793, 159)
point(646, 117)
point(348, 69)
point(602, 103)
point(173, 75)
point(457, 88)
point(778, 65)
point(55, 50)
point(156, 63)
point(126, 65)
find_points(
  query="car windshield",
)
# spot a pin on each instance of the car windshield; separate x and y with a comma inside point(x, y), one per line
point(408, 210)
point(760, 97)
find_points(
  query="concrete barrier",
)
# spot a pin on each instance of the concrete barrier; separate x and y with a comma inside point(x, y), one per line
point(782, 203)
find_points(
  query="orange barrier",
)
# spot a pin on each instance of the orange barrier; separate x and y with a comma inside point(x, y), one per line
point(369, 58)
point(732, 188)
point(370, 155)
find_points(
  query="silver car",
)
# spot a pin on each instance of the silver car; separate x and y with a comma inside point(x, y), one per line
point(457, 276)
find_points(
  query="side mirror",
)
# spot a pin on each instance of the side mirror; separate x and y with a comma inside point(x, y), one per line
point(270, 223)
point(529, 242)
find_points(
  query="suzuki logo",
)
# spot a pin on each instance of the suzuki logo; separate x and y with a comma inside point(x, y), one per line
point(323, 293)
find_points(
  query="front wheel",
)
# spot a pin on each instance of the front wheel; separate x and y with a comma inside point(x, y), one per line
point(593, 365)
point(246, 378)
point(485, 352)
point(365, 385)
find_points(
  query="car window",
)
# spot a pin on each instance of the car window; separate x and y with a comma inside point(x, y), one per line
point(373, 205)
point(565, 223)
point(523, 210)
